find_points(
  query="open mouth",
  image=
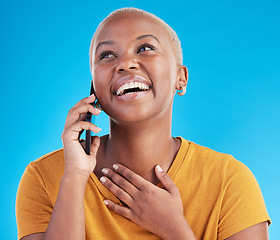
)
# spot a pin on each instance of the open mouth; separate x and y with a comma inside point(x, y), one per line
point(131, 87)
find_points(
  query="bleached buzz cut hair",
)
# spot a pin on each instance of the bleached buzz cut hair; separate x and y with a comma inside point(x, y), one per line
point(173, 36)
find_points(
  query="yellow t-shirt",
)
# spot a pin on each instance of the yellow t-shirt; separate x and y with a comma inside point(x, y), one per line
point(220, 197)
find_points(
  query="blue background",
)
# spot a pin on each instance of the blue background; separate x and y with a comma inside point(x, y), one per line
point(231, 49)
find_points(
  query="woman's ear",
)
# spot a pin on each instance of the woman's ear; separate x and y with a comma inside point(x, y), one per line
point(182, 77)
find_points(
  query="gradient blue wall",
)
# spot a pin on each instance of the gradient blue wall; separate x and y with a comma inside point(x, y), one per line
point(231, 49)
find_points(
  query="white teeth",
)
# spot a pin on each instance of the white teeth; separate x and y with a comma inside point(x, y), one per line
point(126, 86)
point(131, 85)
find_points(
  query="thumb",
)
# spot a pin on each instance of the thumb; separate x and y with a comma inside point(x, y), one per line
point(94, 146)
point(166, 181)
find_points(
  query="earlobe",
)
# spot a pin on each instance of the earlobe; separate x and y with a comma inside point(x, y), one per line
point(182, 79)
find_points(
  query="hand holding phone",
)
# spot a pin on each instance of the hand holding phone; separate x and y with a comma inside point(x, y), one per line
point(89, 119)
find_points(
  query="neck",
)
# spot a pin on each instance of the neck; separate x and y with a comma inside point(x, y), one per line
point(141, 146)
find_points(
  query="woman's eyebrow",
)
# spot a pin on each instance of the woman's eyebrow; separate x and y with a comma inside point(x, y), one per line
point(103, 43)
point(109, 42)
point(147, 35)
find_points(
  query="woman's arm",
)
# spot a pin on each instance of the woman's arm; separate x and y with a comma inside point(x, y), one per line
point(67, 220)
point(68, 217)
point(256, 232)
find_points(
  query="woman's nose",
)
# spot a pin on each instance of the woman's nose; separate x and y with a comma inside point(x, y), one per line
point(127, 63)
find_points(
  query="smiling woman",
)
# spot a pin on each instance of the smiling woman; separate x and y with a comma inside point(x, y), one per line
point(138, 182)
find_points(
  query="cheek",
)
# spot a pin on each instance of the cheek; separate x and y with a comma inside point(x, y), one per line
point(101, 80)
point(166, 75)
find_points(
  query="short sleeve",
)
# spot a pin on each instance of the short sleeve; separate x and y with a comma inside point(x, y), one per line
point(33, 204)
point(243, 204)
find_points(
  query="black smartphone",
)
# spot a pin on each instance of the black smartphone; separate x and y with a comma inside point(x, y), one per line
point(89, 119)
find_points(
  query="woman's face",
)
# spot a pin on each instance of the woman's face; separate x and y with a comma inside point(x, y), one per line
point(134, 68)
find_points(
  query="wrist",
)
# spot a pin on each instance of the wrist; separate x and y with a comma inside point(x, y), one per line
point(76, 172)
point(180, 230)
point(74, 177)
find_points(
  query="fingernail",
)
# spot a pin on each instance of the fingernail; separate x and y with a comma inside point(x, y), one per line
point(106, 202)
point(98, 110)
point(103, 179)
point(105, 171)
point(99, 129)
point(91, 95)
point(115, 166)
point(159, 168)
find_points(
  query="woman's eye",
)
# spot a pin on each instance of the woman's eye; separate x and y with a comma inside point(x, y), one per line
point(144, 48)
point(106, 54)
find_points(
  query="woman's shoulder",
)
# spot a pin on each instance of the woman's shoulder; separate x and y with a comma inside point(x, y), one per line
point(216, 169)
point(210, 155)
point(205, 157)
point(49, 167)
point(39, 185)
point(53, 159)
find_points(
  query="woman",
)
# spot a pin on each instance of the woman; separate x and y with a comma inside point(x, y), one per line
point(136, 64)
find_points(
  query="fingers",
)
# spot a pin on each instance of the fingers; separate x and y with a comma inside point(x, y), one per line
point(72, 133)
point(166, 181)
point(75, 123)
point(116, 190)
point(120, 181)
point(95, 142)
point(132, 177)
point(78, 112)
point(86, 100)
point(123, 211)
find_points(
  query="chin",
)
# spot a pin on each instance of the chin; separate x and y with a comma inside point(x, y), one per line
point(132, 116)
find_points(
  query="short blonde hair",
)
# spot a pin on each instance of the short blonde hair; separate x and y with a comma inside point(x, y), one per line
point(173, 36)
